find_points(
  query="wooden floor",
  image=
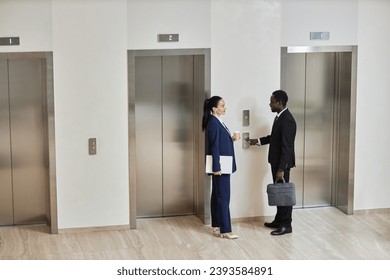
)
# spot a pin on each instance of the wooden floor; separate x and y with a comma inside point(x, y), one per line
point(318, 234)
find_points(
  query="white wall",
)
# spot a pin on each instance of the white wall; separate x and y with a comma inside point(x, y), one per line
point(300, 17)
point(372, 133)
point(245, 70)
point(90, 85)
point(89, 40)
point(29, 20)
point(188, 18)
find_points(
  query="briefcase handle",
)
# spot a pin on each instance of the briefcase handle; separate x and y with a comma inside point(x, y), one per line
point(280, 181)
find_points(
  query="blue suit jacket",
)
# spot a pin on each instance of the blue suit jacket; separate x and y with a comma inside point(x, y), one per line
point(220, 143)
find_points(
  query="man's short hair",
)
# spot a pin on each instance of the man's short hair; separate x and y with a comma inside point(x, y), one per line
point(280, 95)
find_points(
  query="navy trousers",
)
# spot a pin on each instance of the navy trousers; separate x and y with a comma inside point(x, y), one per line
point(220, 200)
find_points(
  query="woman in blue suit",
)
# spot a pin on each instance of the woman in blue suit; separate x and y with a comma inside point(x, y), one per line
point(219, 143)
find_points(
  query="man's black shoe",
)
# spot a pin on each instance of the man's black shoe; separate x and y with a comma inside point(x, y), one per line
point(272, 225)
point(282, 230)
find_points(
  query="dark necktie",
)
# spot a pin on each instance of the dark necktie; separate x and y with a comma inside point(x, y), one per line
point(276, 118)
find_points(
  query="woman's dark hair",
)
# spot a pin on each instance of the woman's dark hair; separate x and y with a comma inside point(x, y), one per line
point(208, 106)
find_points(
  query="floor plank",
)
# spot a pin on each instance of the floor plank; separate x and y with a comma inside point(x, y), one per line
point(318, 234)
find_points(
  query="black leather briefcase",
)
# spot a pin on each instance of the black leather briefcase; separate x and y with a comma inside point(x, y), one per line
point(281, 194)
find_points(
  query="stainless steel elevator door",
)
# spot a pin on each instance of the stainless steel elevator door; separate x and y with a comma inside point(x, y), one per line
point(308, 79)
point(342, 198)
point(320, 92)
point(178, 134)
point(26, 144)
point(164, 120)
point(6, 201)
point(293, 82)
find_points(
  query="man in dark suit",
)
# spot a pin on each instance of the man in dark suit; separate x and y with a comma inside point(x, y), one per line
point(281, 155)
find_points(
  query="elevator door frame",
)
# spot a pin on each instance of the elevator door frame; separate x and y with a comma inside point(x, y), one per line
point(50, 155)
point(341, 196)
point(202, 85)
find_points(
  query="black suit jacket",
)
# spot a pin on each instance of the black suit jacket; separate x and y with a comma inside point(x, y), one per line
point(281, 152)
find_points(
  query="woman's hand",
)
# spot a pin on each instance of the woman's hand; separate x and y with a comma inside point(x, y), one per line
point(236, 136)
point(218, 173)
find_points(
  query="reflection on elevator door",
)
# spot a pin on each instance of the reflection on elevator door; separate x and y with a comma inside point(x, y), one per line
point(309, 81)
point(164, 116)
point(23, 181)
point(314, 84)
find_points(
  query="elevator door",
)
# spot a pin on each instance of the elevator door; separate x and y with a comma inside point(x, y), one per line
point(23, 184)
point(309, 80)
point(164, 119)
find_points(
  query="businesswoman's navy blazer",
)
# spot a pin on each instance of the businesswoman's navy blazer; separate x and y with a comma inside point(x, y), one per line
point(220, 143)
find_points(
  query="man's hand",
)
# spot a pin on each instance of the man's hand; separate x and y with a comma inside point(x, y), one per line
point(279, 175)
point(252, 141)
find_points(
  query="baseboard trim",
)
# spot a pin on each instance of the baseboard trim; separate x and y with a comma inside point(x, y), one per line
point(251, 219)
point(372, 211)
point(94, 229)
point(237, 220)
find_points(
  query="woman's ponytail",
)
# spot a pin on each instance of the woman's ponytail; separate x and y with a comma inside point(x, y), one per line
point(208, 106)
